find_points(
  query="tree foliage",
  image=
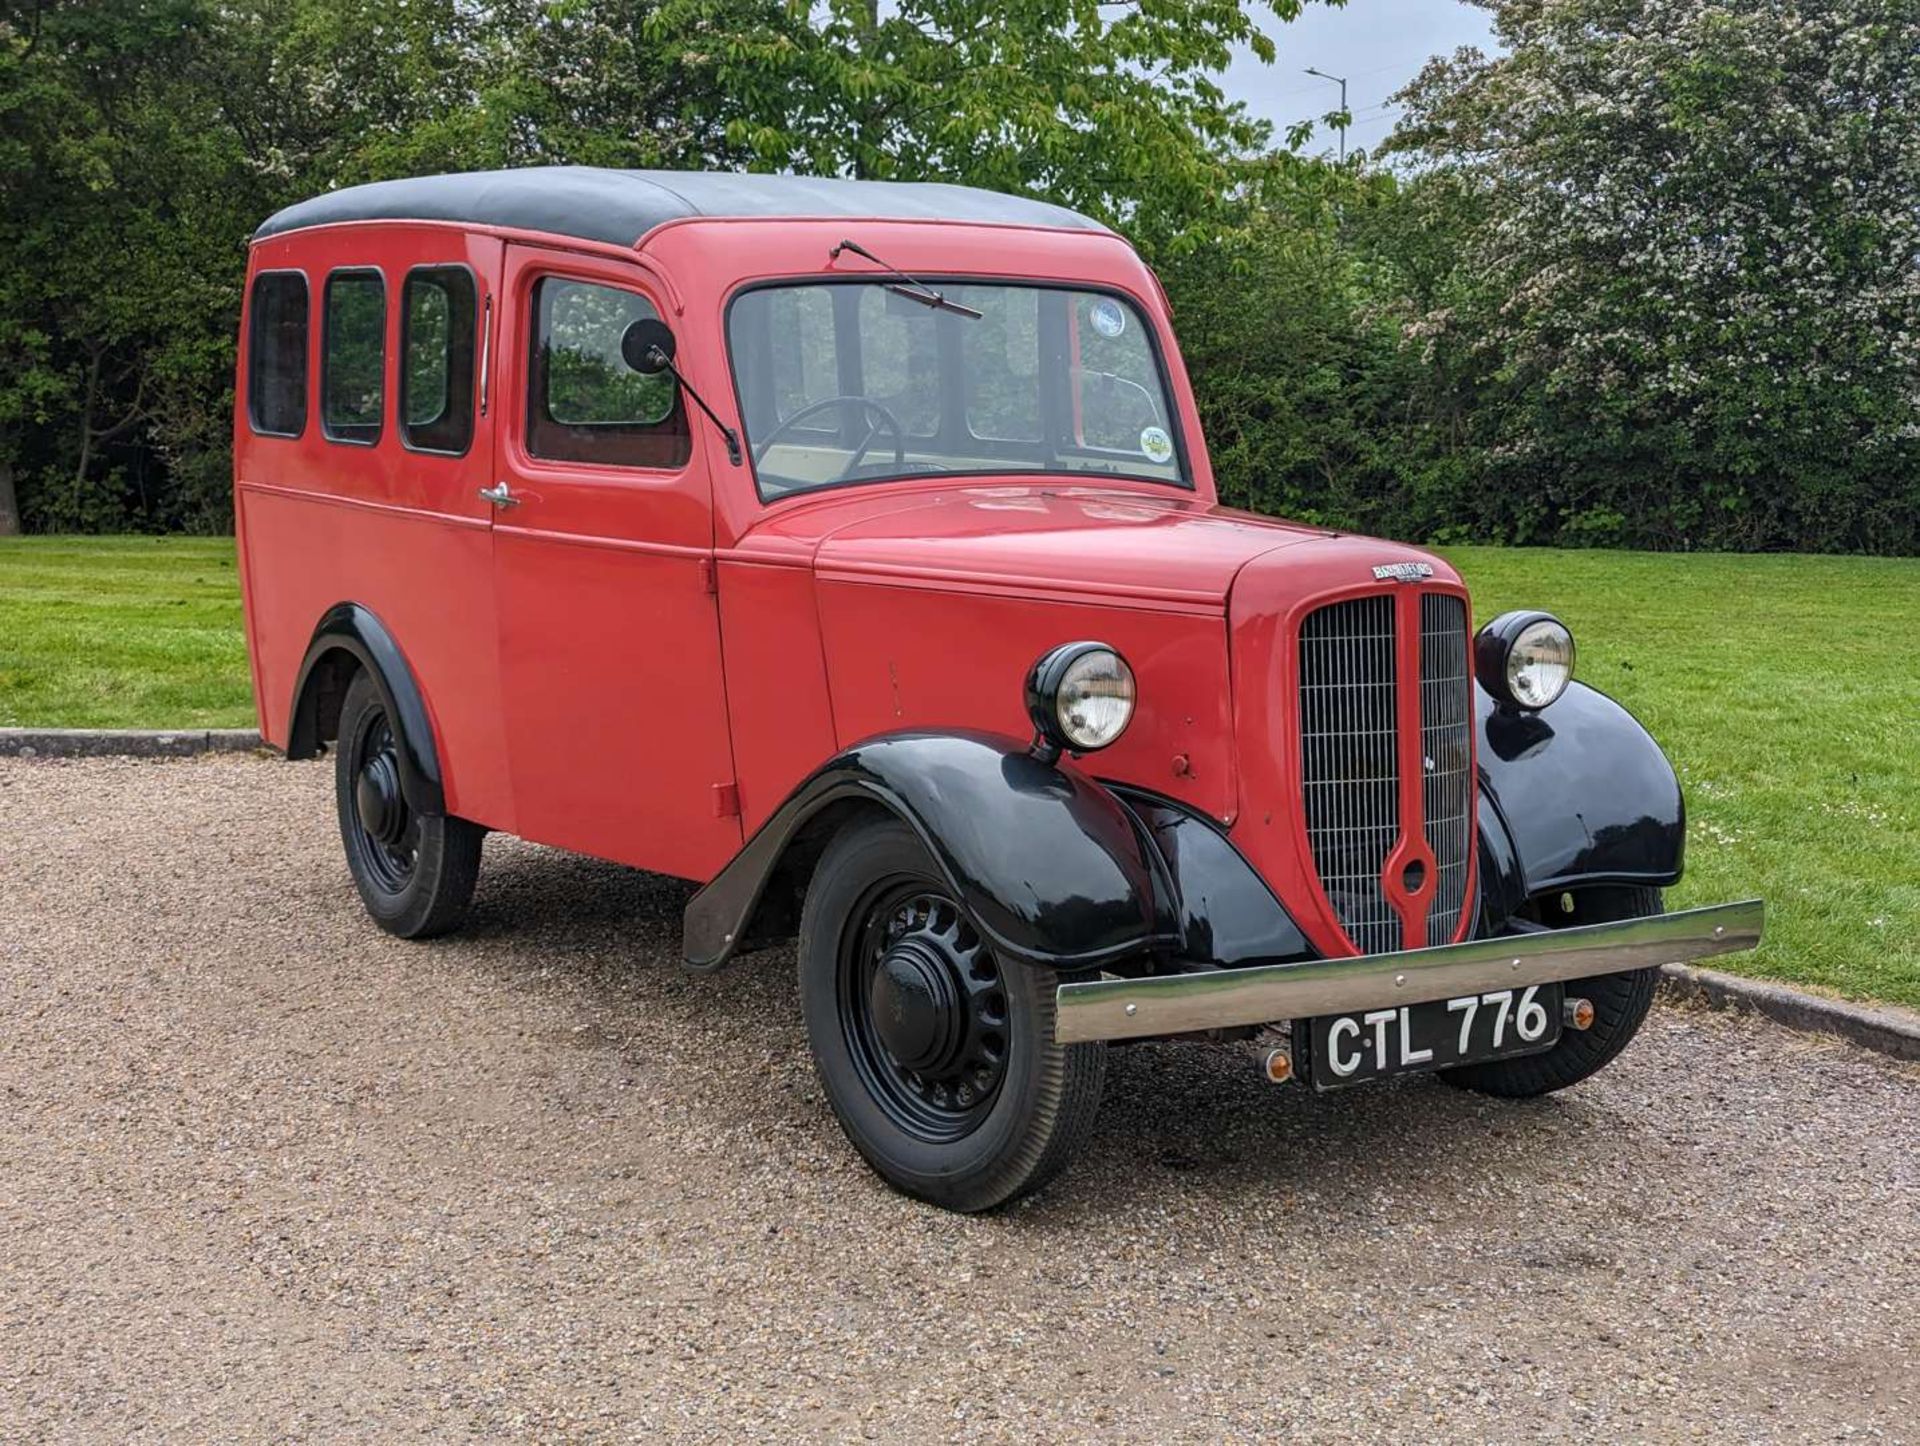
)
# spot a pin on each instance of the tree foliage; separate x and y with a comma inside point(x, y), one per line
point(1649, 276)
point(1115, 110)
point(96, 171)
point(1689, 313)
point(142, 140)
point(1320, 397)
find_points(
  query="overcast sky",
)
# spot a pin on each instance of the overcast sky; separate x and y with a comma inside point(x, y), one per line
point(1378, 45)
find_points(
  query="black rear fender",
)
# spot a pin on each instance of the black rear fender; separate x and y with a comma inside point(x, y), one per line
point(348, 639)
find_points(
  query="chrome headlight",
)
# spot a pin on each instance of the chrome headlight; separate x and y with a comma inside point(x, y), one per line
point(1080, 696)
point(1524, 659)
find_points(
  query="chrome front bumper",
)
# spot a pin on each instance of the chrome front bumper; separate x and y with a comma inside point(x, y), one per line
point(1269, 993)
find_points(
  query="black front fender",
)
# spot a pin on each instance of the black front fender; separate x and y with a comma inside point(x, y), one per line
point(351, 634)
point(1576, 794)
point(1050, 866)
point(1225, 913)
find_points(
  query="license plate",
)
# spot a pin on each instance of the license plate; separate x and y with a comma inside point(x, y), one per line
point(1413, 1038)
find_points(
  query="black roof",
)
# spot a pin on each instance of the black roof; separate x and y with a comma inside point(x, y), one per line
point(622, 206)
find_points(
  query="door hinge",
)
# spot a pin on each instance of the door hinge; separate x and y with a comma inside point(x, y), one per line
point(726, 800)
point(709, 580)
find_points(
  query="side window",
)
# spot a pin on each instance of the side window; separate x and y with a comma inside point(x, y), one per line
point(437, 311)
point(353, 360)
point(584, 403)
point(277, 354)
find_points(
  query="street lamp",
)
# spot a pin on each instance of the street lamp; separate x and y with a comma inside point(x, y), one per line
point(1341, 81)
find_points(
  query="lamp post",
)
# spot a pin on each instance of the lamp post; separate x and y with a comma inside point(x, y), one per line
point(1341, 81)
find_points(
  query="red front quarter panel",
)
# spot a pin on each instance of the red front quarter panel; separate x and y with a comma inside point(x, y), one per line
point(934, 601)
point(782, 720)
point(901, 656)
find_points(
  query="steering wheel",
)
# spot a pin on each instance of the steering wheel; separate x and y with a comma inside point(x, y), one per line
point(865, 404)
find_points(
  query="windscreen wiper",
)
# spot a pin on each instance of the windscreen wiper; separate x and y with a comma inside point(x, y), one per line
point(910, 288)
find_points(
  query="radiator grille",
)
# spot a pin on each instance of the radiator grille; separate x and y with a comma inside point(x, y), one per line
point(1446, 722)
point(1350, 761)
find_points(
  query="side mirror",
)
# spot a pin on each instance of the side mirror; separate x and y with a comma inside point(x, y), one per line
point(647, 346)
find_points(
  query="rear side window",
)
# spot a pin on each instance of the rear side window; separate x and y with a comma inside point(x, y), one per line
point(277, 354)
point(353, 363)
point(585, 404)
point(436, 346)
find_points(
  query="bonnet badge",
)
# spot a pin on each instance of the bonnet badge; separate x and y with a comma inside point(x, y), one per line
point(1402, 571)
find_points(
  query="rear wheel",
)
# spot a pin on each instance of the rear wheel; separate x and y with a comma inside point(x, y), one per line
point(415, 874)
point(939, 1061)
point(1620, 1003)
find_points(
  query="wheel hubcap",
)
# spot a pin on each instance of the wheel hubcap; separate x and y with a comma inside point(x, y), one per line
point(925, 1010)
point(389, 831)
point(916, 1006)
point(377, 796)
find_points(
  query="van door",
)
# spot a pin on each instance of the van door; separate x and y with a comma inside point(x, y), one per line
point(609, 627)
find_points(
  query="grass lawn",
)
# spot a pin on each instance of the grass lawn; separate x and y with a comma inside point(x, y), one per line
point(1785, 689)
point(122, 632)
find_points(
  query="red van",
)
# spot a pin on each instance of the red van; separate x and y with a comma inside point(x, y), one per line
point(851, 549)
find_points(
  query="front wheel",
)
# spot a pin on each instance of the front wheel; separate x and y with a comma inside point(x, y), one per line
point(1620, 1003)
point(415, 874)
point(939, 1061)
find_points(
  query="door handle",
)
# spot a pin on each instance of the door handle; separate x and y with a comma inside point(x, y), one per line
point(500, 495)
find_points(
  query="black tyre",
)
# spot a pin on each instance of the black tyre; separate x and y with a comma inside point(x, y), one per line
point(1620, 1004)
point(940, 1063)
point(415, 874)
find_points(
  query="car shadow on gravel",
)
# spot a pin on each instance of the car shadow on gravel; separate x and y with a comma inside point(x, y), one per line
point(1207, 1114)
point(526, 889)
point(1176, 1118)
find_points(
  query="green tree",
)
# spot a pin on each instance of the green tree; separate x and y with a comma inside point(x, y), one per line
point(1691, 305)
point(141, 142)
point(89, 227)
point(1115, 110)
point(608, 83)
point(1321, 399)
point(309, 94)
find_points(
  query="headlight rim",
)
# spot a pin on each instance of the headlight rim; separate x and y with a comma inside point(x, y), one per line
point(1493, 649)
point(1043, 684)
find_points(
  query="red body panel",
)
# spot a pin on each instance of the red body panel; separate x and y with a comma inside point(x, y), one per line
point(900, 656)
point(609, 631)
point(617, 661)
point(323, 522)
point(777, 696)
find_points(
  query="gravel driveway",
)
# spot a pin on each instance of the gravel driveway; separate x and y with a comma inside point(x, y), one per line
point(266, 1173)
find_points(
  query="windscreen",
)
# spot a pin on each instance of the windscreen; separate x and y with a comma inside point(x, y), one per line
point(868, 382)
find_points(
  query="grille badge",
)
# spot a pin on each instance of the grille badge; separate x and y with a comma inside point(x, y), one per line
point(1402, 571)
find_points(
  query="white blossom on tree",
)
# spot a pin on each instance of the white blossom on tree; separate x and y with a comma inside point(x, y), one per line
point(1693, 289)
